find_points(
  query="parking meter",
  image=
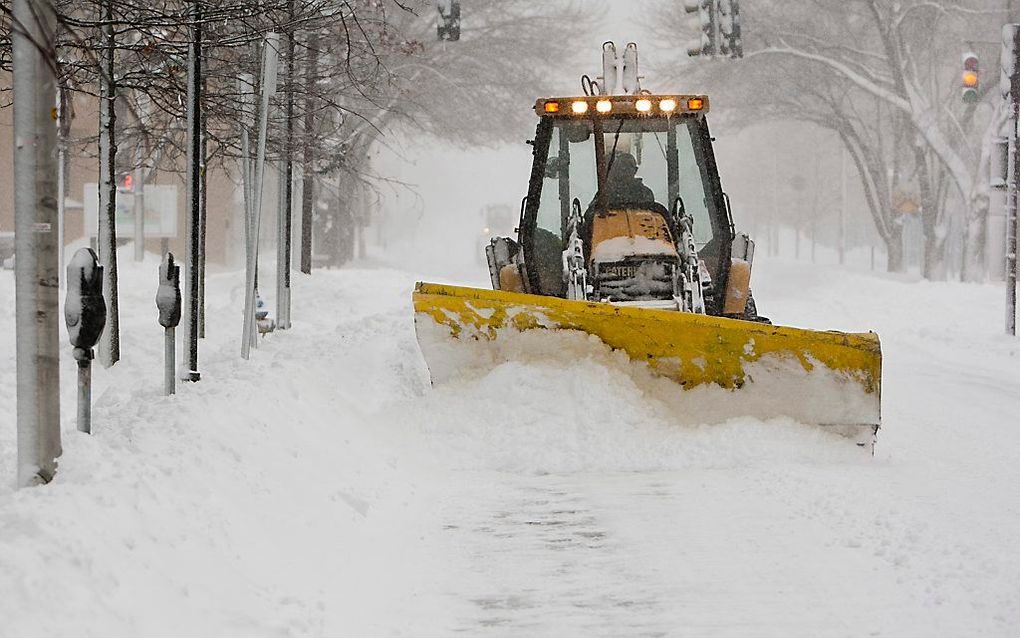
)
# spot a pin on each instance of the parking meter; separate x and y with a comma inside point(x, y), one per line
point(85, 316)
point(168, 294)
point(84, 306)
point(168, 302)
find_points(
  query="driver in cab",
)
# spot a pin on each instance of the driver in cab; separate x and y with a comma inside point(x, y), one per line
point(623, 186)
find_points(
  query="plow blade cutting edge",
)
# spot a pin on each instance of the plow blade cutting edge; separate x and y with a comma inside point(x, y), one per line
point(830, 379)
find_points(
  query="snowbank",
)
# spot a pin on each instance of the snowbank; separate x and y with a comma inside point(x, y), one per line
point(324, 488)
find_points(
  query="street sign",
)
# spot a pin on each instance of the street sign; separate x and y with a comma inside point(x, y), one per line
point(160, 211)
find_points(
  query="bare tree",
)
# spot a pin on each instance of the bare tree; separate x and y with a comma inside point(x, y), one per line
point(903, 56)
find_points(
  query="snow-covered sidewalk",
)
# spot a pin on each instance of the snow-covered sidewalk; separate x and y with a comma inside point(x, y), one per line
point(324, 488)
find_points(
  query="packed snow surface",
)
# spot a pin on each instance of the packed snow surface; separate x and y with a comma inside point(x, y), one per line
point(325, 488)
point(618, 248)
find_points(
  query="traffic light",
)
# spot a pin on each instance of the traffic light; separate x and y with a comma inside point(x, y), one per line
point(125, 183)
point(448, 26)
point(970, 79)
point(706, 44)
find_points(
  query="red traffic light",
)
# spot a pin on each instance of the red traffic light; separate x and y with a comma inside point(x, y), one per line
point(129, 181)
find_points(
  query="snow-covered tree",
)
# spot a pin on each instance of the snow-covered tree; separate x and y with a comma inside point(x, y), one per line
point(877, 71)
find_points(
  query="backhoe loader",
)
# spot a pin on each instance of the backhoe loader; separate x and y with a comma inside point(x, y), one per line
point(627, 235)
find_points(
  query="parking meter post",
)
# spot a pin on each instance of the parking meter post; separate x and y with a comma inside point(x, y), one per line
point(85, 316)
point(84, 358)
point(168, 302)
point(170, 357)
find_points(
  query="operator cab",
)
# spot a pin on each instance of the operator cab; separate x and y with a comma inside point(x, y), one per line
point(643, 159)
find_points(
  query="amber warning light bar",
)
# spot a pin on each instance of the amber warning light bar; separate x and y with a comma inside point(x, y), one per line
point(622, 104)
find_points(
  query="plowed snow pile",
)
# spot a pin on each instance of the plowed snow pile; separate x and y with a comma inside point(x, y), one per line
point(565, 403)
point(325, 488)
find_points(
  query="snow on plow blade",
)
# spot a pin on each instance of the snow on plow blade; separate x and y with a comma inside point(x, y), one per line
point(829, 379)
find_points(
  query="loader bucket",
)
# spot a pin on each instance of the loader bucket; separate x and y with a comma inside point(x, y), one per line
point(829, 379)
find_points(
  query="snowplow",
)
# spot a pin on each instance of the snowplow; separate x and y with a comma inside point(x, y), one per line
point(650, 265)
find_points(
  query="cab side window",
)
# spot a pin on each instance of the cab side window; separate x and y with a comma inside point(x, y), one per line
point(692, 187)
point(548, 238)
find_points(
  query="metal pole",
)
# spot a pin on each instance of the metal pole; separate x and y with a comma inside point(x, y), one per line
point(270, 53)
point(170, 361)
point(63, 122)
point(36, 277)
point(246, 88)
point(191, 298)
point(139, 205)
point(281, 238)
point(85, 392)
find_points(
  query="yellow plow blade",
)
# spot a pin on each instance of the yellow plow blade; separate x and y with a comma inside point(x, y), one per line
point(830, 379)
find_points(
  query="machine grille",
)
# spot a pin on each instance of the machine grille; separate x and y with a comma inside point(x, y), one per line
point(637, 280)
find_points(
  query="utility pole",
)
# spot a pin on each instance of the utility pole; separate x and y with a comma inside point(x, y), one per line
point(37, 324)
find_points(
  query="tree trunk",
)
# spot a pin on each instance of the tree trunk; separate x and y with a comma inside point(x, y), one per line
point(976, 221)
point(203, 202)
point(193, 195)
point(894, 249)
point(307, 156)
point(934, 261)
point(283, 305)
point(109, 342)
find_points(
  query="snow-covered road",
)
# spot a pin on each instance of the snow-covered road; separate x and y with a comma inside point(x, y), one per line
point(324, 488)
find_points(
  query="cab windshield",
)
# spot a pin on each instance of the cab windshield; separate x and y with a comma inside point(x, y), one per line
point(648, 161)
